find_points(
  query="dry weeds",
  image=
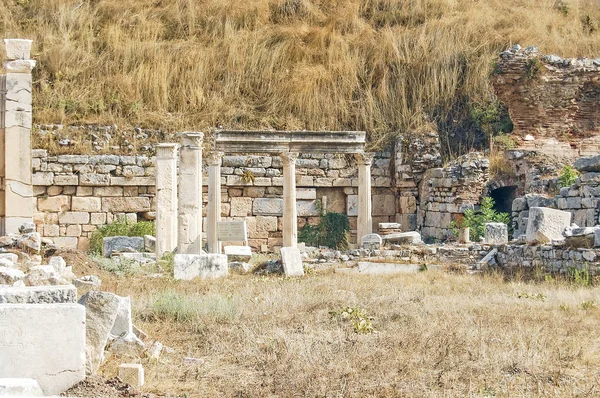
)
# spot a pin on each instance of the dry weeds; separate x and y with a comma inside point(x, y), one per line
point(437, 334)
point(379, 65)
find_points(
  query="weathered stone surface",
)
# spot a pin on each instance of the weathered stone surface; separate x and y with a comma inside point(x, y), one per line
point(589, 163)
point(292, 261)
point(308, 208)
point(74, 217)
point(496, 233)
point(20, 387)
point(371, 242)
point(9, 275)
point(404, 238)
point(86, 204)
point(384, 205)
point(132, 374)
point(38, 295)
point(238, 253)
point(31, 242)
point(122, 244)
point(267, 207)
point(126, 204)
point(123, 324)
point(241, 207)
point(101, 311)
point(367, 268)
point(204, 266)
point(58, 203)
point(545, 224)
point(45, 342)
point(352, 206)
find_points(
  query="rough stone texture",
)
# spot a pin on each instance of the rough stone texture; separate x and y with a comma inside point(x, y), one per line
point(50, 350)
point(589, 163)
point(549, 258)
point(267, 207)
point(545, 224)
point(292, 261)
point(404, 238)
point(123, 324)
point(204, 266)
point(101, 311)
point(496, 233)
point(38, 295)
point(367, 268)
point(371, 241)
point(132, 374)
point(238, 253)
point(115, 244)
point(20, 387)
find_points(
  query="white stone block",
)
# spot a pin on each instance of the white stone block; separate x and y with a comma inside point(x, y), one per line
point(20, 387)
point(267, 207)
point(132, 374)
point(18, 48)
point(306, 193)
point(19, 66)
point(123, 324)
point(308, 208)
point(496, 233)
point(45, 342)
point(371, 241)
point(204, 266)
point(292, 261)
point(545, 224)
point(238, 253)
point(38, 294)
point(352, 205)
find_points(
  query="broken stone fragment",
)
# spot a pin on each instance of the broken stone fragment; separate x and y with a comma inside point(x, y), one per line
point(9, 275)
point(115, 244)
point(545, 225)
point(30, 242)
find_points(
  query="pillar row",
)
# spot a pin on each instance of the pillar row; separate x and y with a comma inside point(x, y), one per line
point(365, 218)
point(166, 198)
point(290, 218)
point(189, 240)
point(213, 160)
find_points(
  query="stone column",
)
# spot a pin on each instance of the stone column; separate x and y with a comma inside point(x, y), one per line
point(189, 238)
point(15, 165)
point(166, 198)
point(214, 201)
point(365, 219)
point(290, 218)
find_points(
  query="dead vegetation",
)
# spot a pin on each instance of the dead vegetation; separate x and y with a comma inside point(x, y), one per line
point(429, 334)
point(385, 66)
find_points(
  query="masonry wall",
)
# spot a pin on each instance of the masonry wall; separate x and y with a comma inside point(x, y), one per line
point(548, 258)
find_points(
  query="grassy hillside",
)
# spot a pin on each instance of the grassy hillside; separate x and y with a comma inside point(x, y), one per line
point(385, 66)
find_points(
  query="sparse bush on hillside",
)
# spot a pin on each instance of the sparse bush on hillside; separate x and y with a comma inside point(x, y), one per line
point(567, 177)
point(121, 227)
point(476, 220)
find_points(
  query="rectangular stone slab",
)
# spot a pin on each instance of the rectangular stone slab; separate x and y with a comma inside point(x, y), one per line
point(204, 266)
point(45, 342)
point(292, 261)
point(38, 294)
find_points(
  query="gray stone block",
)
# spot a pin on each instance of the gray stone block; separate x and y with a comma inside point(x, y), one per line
point(204, 266)
point(38, 294)
point(496, 233)
point(122, 244)
point(590, 163)
point(292, 261)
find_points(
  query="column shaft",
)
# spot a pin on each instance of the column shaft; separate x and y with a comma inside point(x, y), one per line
point(214, 201)
point(290, 218)
point(190, 194)
point(365, 219)
point(166, 198)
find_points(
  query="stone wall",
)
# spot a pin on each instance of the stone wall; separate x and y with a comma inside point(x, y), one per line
point(548, 258)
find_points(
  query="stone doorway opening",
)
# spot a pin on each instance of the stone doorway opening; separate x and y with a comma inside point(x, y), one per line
point(503, 198)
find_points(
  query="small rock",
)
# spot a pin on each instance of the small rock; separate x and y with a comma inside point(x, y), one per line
point(26, 228)
point(9, 276)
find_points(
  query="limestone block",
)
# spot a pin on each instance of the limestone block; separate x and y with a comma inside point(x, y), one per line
point(126, 204)
point(292, 261)
point(323, 182)
point(238, 253)
point(260, 226)
point(74, 217)
point(404, 238)
point(10, 275)
point(254, 192)
point(123, 324)
point(384, 205)
point(73, 230)
point(306, 193)
point(98, 218)
point(545, 224)
point(59, 203)
point(43, 178)
point(302, 181)
point(19, 66)
point(66, 242)
point(137, 181)
point(90, 204)
point(338, 163)
point(38, 294)
point(352, 205)
point(92, 179)
point(236, 180)
point(495, 233)
point(108, 191)
point(17, 48)
point(50, 350)
point(101, 310)
point(241, 207)
point(20, 387)
point(371, 242)
point(132, 374)
point(267, 207)
point(342, 182)
point(235, 161)
point(85, 191)
point(117, 244)
point(204, 266)
point(308, 208)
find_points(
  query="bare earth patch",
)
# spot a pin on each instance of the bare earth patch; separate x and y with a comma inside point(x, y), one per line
point(435, 334)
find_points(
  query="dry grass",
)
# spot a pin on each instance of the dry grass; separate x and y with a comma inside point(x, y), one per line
point(437, 334)
point(384, 66)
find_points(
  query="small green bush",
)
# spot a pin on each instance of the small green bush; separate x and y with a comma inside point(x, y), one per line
point(332, 231)
point(121, 227)
point(567, 177)
point(476, 220)
point(358, 318)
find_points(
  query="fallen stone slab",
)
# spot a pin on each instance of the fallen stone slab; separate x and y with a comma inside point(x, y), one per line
point(20, 387)
point(404, 238)
point(545, 225)
point(292, 261)
point(204, 266)
point(371, 242)
point(368, 268)
point(495, 233)
point(488, 260)
point(101, 312)
point(123, 324)
point(38, 294)
point(119, 244)
point(238, 253)
point(44, 342)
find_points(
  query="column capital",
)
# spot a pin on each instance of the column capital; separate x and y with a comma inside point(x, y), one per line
point(289, 157)
point(365, 158)
point(213, 158)
point(166, 150)
point(192, 139)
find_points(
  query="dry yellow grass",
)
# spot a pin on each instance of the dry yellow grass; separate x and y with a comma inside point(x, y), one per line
point(437, 335)
point(380, 65)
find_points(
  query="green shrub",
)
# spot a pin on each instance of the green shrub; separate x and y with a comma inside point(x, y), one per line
point(332, 231)
point(475, 220)
point(567, 177)
point(121, 227)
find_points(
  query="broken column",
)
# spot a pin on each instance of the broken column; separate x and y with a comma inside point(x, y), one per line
point(166, 198)
point(365, 219)
point(214, 201)
point(16, 206)
point(190, 194)
point(290, 218)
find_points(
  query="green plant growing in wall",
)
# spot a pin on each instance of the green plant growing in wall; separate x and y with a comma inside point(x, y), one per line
point(332, 231)
point(567, 177)
point(120, 227)
point(476, 220)
point(248, 176)
point(532, 68)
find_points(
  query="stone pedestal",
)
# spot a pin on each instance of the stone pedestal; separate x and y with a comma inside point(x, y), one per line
point(464, 235)
point(290, 219)
point(166, 199)
point(365, 219)
point(189, 239)
point(16, 199)
point(214, 201)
